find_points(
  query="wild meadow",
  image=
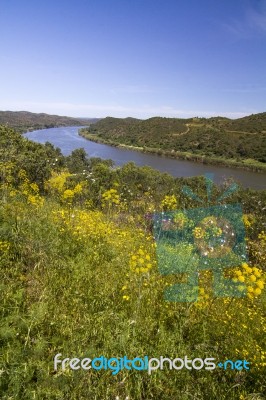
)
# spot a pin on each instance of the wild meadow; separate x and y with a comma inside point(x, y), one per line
point(80, 277)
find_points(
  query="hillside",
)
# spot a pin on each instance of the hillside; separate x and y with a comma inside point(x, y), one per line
point(83, 274)
point(24, 120)
point(241, 140)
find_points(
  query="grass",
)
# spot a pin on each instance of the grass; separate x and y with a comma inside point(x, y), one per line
point(71, 284)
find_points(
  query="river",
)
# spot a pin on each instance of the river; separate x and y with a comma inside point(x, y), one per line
point(68, 139)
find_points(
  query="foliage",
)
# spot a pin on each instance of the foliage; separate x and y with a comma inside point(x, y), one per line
point(243, 139)
point(79, 277)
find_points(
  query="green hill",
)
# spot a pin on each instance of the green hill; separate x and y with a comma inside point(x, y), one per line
point(241, 141)
point(24, 120)
point(81, 276)
point(255, 123)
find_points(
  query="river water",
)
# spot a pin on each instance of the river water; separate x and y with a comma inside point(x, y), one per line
point(68, 139)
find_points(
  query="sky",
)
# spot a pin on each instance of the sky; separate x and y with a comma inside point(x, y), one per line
point(138, 58)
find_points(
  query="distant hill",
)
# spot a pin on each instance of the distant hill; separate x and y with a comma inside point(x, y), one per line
point(24, 120)
point(218, 137)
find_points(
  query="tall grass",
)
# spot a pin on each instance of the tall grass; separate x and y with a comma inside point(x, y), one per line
point(71, 284)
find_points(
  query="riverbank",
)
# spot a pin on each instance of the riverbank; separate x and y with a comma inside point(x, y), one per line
point(248, 164)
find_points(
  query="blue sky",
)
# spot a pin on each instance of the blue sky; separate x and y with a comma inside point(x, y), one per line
point(139, 58)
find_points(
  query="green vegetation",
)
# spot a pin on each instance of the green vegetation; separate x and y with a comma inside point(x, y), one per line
point(79, 277)
point(240, 142)
point(24, 121)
